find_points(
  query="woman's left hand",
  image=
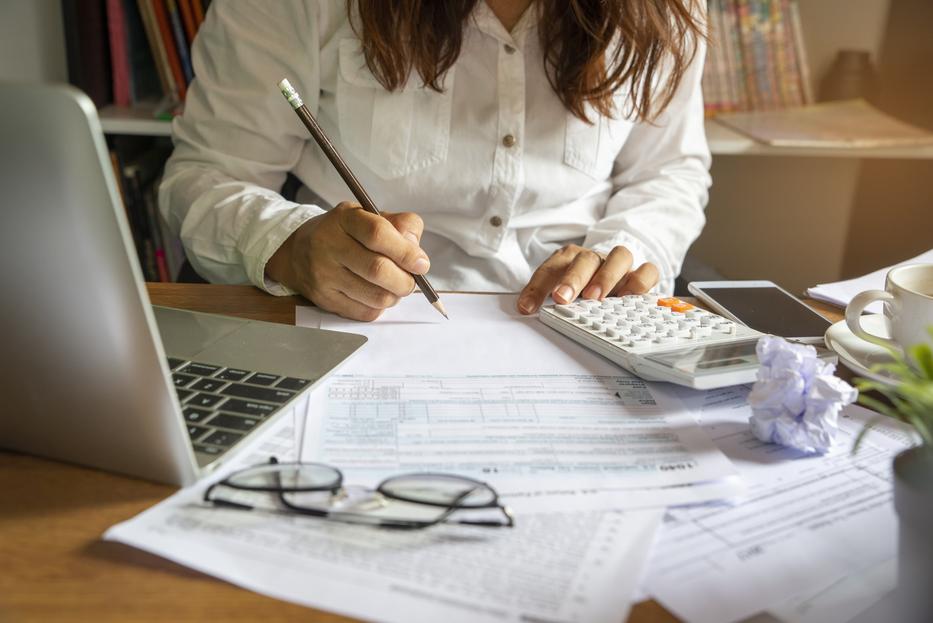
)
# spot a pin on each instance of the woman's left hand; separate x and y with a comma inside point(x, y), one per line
point(576, 271)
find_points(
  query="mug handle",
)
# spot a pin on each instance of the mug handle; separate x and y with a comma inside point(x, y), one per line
point(854, 314)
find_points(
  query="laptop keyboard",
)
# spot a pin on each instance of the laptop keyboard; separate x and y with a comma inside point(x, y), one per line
point(221, 405)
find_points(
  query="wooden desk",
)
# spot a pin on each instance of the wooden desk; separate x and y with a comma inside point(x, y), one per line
point(56, 568)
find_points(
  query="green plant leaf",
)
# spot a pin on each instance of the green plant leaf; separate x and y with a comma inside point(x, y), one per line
point(870, 424)
point(922, 355)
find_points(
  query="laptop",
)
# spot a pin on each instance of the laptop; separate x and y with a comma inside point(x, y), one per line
point(93, 373)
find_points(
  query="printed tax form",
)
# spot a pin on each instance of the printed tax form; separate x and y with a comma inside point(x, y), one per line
point(560, 566)
point(807, 522)
point(498, 396)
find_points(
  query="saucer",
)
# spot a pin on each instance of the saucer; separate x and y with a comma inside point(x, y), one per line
point(857, 354)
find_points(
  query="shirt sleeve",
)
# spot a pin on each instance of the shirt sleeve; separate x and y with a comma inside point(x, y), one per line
point(238, 138)
point(661, 184)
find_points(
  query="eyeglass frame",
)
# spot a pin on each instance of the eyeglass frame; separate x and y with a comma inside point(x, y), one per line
point(335, 488)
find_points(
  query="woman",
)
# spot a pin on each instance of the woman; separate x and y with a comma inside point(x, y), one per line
point(552, 146)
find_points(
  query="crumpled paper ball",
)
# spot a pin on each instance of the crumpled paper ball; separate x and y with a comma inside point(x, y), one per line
point(796, 400)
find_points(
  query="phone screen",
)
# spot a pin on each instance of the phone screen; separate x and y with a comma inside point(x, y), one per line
point(770, 310)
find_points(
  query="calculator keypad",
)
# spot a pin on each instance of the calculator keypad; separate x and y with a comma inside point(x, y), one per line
point(644, 323)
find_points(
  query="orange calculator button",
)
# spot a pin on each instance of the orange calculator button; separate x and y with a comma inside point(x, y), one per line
point(675, 304)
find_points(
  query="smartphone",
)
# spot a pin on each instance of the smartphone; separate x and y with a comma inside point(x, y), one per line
point(763, 306)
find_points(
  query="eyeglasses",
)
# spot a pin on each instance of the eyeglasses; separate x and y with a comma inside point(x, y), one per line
point(410, 501)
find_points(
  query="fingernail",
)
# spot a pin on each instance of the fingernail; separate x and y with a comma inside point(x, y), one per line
point(421, 266)
point(565, 292)
point(594, 292)
point(526, 305)
point(411, 237)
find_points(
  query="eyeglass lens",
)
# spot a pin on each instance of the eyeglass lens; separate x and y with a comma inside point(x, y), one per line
point(287, 477)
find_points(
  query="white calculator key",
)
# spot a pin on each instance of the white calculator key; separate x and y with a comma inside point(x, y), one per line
point(565, 311)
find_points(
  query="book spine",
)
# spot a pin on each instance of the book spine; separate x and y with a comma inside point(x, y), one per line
point(774, 78)
point(144, 77)
point(802, 61)
point(738, 53)
point(187, 18)
point(144, 247)
point(747, 30)
point(168, 42)
point(792, 77)
point(180, 43)
point(726, 34)
point(722, 69)
point(87, 43)
point(777, 49)
point(119, 55)
point(762, 52)
point(155, 233)
point(158, 54)
point(710, 69)
point(198, 10)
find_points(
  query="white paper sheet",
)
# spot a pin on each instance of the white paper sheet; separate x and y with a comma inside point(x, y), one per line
point(485, 335)
point(843, 600)
point(841, 292)
point(551, 566)
point(807, 521)
point(509, 366)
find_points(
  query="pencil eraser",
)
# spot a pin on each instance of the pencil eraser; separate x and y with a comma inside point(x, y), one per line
point(290, 93)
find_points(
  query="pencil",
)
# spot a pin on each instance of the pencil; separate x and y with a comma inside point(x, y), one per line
point(344, 170)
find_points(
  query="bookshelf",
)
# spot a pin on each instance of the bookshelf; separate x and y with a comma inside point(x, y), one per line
point(135, 120)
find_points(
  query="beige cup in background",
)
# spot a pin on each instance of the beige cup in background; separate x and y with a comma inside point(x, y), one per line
point(908, 307)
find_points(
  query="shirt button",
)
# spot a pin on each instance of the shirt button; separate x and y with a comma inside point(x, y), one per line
point(509, 49)
point(495, 221)
point(508, 140)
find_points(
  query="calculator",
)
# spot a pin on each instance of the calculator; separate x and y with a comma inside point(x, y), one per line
point(661, 339)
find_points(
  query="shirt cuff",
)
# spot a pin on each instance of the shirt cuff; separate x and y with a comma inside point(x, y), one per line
point(297, 217)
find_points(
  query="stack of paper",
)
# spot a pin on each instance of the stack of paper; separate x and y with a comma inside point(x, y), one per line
point(587, 456)
point(841, 292)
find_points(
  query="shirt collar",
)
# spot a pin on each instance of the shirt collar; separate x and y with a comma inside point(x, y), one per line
point(486, 21)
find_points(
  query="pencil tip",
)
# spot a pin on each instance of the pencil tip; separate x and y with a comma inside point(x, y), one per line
point(440, 307)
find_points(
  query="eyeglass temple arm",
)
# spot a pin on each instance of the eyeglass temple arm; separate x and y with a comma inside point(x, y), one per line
point(225, 503)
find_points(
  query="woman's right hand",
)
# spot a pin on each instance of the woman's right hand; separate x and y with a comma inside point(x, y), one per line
point(352, 262)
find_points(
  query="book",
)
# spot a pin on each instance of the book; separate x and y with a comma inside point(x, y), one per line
point(144, 78)
point(158, 48)
point(756, 56)
point(168, 42)
point(181, 45)
point(801, 52)
point(198, 12)
point(187, 18)
point(119, 56)
point(86, 35)
point(844, 124)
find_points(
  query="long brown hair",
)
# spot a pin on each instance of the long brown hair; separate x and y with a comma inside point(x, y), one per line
point(591, 47)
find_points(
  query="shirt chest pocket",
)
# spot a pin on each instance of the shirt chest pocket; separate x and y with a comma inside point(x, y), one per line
point(593, 147)
point(395, 133)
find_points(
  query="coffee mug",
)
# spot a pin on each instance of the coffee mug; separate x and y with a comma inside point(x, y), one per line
point(908, 307)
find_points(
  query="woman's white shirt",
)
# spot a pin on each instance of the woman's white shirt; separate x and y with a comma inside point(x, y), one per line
point(500, 171)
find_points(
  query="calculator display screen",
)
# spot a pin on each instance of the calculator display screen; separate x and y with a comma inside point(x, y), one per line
point(708, 359)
